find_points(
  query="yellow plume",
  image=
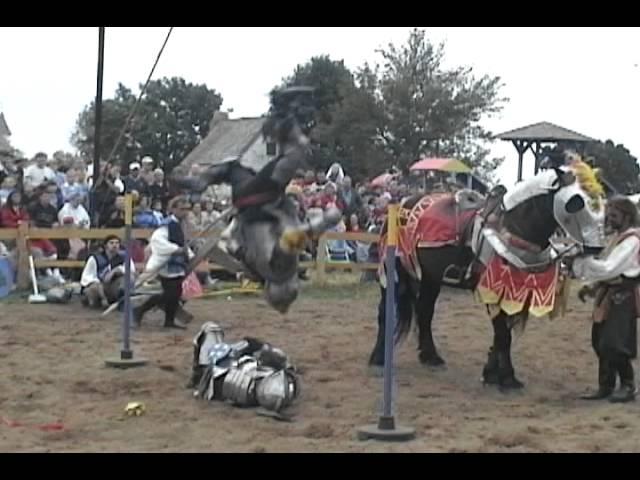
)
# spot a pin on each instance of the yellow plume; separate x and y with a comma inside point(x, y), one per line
point(588, 180)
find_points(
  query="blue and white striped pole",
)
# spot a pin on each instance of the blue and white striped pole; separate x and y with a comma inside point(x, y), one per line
point(386, 429)
point(126, 360)
point(387, 420)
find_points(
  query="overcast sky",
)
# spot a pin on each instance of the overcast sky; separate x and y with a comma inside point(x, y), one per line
point(585, 79)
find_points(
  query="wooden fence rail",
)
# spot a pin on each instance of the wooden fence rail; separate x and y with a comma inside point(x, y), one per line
point(23, 234)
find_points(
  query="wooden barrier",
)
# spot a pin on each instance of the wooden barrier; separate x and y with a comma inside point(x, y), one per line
point(24, 233)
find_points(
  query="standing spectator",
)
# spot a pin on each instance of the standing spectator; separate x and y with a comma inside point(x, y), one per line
point(8, 186)
point(116, 178)
point(349, 200)
point(38, 173)
point(71, 186)
point(157, 191)
point(147, 170)
point(335, 173)
point(134, 182)
point(16, 169)
point(56, 164)
point(106, 192)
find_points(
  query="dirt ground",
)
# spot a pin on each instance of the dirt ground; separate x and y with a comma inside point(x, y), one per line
point(57, 395)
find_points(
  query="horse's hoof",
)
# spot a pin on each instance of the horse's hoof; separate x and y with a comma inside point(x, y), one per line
point(490, 379)
point(511, 383)
point(432, 361)
point(375, 371)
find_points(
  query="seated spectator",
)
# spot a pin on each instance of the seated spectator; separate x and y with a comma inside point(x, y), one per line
point(144, 216)
point(115, 215)
point(197, 220)
point(73, 213)
point(158, 211)
point(326, 198)
point(45, 215)
point(13, 213)
point(211, 210)
point(55, 195)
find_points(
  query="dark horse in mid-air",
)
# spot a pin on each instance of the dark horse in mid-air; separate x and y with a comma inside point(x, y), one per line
point(512, 231)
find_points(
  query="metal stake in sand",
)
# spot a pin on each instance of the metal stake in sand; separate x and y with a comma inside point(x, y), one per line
point(126, 359)
point(386, 428)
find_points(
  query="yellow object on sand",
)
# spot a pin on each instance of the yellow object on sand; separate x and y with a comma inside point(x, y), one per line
point(135, 408)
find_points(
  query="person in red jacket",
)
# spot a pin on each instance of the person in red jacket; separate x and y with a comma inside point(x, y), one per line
point(13, 213)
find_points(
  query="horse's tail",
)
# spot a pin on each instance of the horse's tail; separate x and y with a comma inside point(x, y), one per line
point(404, 306)
point(405, 320)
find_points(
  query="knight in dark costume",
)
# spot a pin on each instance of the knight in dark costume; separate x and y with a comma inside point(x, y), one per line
point(266, 235)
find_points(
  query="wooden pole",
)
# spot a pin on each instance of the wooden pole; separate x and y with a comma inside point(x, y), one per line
point(321, 261)
point(23, 256)
point(93, 214)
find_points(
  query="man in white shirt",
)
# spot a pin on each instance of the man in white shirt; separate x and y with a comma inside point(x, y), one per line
point(38, 173)
point(170, 256)
point(617, 300)
point(73, 213)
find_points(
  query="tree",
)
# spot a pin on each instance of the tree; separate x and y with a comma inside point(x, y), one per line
point(114, 115)
point(348, 116)
point(172, 119)
point(353, 136)
point(431, 110)
point(617, 165)
point(330, 79)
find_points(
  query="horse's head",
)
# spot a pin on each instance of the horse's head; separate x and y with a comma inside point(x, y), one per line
point(569, 197)
point(578, 204)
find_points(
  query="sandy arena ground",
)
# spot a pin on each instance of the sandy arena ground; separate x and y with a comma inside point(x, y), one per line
point(52, 372)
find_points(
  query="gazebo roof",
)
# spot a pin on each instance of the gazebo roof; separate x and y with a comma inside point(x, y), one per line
point(544, 132)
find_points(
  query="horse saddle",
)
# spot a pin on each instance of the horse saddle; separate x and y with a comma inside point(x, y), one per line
point(447, 220)
point(469, 200)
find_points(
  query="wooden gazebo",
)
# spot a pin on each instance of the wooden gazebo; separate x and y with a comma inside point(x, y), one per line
point(533, 136)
